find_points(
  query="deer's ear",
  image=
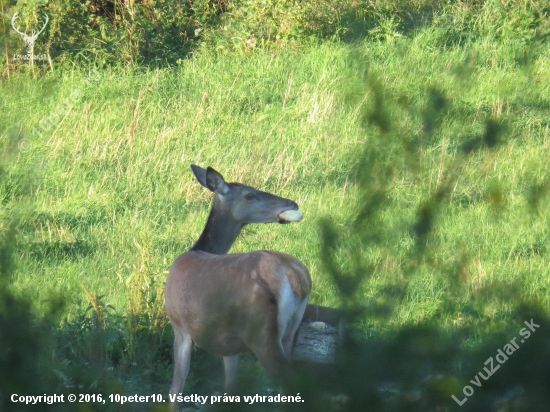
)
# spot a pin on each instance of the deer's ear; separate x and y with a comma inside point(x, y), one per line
point(215, 182)
point(200, 174)
point(210, 179)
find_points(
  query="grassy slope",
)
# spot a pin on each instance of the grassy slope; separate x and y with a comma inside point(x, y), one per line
point(113, 190)
point(114, 185)
point(115, 201)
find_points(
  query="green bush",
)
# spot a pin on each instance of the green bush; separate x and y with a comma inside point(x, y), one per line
point(163, 32)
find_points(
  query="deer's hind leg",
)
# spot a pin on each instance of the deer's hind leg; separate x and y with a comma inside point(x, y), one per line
point(268, 345)
point(272, 357)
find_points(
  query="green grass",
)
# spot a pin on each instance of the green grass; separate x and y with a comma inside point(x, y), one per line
point(109, 200)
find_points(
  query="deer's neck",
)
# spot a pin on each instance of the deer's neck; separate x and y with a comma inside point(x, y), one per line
point(219, 233)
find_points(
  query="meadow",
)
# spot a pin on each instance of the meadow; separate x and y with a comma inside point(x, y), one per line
point(421, 167)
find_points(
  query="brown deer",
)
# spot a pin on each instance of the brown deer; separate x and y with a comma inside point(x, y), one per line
point(231, 304)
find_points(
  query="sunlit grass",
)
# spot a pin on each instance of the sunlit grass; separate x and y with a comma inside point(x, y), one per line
point(112, 174)
point(114, 200)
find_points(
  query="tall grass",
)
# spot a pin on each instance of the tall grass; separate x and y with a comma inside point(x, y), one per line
point(420, 168)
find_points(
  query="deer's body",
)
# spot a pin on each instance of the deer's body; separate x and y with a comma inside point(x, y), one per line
point(220, 319)
point(230, 304)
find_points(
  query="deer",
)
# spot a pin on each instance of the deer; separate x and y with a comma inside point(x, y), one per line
point(229, 304)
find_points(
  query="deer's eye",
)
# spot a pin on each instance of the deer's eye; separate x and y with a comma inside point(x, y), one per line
point(250, 196)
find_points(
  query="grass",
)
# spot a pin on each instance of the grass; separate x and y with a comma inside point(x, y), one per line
point(106, 199)
point(122, 162)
